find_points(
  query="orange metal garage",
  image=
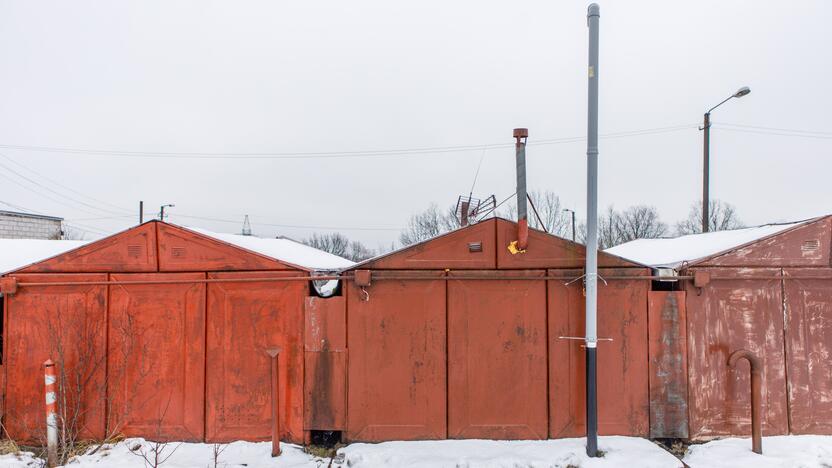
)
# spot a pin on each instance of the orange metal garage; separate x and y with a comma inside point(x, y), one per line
point(456, 337)
point(162, 331)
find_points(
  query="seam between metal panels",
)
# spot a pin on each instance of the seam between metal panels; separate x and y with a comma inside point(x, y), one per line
point(784, 309)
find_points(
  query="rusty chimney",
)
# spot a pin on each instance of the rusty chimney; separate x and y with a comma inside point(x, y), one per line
point(520, 135)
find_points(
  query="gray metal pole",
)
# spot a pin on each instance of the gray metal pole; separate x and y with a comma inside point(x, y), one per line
point(706, 173)
point(591, 339)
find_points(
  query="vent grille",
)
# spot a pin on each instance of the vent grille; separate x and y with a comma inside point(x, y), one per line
point(177, 252)
point(134, 250)
point(810, 245)
point(475, 247)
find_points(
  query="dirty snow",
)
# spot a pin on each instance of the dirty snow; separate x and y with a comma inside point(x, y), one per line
point(628, 452)
point(18, 253)
point(672, 252)
point(804, 451)
point(285, 250)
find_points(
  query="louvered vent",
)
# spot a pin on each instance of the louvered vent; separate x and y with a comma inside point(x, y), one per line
point(178, 252)
point(134, 250)
point(810, 245)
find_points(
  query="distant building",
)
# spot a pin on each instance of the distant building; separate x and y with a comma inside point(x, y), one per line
point(15, 225)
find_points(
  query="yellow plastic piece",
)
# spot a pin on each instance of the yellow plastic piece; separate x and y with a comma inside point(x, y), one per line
point(512, 247)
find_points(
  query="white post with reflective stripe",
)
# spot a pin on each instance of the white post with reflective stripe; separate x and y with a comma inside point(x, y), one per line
point(51, 395)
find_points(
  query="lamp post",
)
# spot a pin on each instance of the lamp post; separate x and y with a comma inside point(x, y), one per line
point(707, 156)
point(162, 211)
point(573, 222)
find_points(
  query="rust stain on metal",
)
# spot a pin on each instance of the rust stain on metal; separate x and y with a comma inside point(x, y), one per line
point(325, 376)
point(397, 368)
point(735, 314)
point(668, 365)
point(40, 322)
point(156, 357)
point(245, 321)
point(623, 398)
point(497, 357)
point(808, 313)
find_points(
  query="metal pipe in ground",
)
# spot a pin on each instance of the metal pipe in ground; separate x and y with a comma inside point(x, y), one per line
point(51, 399)
point(591, 339)
point(756, 395)
point(274, 354)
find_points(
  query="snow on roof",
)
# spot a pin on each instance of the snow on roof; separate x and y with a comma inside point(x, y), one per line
point(672, 252)
point(284, 250)
point(18, 253)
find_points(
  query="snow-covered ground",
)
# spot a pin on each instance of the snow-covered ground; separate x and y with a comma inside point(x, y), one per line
point(627, 452)
point(805, 451)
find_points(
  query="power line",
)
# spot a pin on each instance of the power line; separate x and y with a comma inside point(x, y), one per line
point(766, 132)
point(291, 226)
point(331, 154)
point(6, 157)
point(62, 195)
point(786, 130)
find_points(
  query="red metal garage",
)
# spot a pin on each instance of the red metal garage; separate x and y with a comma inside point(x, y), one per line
point(162, 330)
point(456, 337)
point(766, 289)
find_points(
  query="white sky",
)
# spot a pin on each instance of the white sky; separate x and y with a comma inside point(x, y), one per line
point(275, 77)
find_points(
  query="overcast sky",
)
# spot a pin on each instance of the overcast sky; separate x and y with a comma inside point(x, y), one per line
point(273, 78)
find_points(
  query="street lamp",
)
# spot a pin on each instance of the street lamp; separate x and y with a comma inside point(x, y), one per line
point(162, 210)
point(573, 222)
point(707, 148)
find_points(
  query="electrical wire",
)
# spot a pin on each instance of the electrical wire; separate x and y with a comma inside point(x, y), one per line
point(766, 132)
point(331, 154)
point(785, 130)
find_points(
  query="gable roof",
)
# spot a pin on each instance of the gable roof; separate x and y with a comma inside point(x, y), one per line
point(484, 245)
point(702, 248)
point(159, 246)
point(18, 253)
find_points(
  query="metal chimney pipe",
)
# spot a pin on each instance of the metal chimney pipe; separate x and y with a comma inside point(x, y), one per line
point(591, 339)
point(520, 135)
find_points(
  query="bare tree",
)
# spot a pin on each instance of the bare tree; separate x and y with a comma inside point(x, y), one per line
point(617, 227)
point(640, 222)
point(428, 224)
point(338, 244)
point(547, 205)
point(334, 243)
point(722, 216)
point(71, 233)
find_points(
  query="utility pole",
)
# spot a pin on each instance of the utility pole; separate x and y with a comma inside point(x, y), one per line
point(141, 212)
point(706, 154)
point(591, 337)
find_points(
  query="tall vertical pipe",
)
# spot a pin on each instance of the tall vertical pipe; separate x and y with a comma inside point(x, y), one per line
point(591, 338)
point(520, 135)
point(141, 212)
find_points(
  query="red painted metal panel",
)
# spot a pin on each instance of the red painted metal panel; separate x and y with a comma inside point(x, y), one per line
point(325, 377)
point(133, 250)
point(325, 390)
point(156, 371)
point(545, 251)
point(184, 250)
point(808, 347)
point(65, 324)
point(724, 316)
point(244, 320)
point(397, 359)
point(623, 401)
point(808, 245)
point(497, 356)
point(668, 364)
point(469, 247)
